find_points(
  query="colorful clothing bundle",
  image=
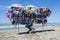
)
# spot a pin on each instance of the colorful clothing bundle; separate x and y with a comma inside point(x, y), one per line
point(24, 16)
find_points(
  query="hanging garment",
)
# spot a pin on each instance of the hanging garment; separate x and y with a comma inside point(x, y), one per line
point(42, 21)
point(23, 11)
point(45, 21)
point(16, 13)
point(47, 11)
point(39, 21)
point(41, 16)
point(9, 15)
point(41, 11)
point(28, 11)
point(17, 9)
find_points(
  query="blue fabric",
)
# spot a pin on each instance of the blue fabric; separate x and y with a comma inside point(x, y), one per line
point(16, 12)
point(23, 11)
point(10, 10)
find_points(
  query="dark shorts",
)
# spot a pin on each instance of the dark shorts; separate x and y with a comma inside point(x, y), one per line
point(29, 24)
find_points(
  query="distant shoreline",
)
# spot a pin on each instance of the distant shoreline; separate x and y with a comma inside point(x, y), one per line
point(5, 27)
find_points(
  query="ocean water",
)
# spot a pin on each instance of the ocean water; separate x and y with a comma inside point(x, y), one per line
point(5, 27)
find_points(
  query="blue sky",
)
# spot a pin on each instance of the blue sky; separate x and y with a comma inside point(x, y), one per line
point(53, 5)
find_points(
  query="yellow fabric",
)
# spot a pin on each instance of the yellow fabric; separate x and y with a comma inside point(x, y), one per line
point(28, 11)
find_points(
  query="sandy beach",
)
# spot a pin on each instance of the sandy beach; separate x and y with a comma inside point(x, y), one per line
point(49, 33)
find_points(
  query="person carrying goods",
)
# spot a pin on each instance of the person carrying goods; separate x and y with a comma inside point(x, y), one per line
point(28, 20)
point(29, 24)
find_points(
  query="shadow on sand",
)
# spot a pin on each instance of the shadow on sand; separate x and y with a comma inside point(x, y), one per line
point(38, 31)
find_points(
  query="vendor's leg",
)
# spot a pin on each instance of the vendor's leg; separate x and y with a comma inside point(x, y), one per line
point(30, 30)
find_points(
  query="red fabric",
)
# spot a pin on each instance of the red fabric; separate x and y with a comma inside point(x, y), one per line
point(17, 9)
point(9, 15)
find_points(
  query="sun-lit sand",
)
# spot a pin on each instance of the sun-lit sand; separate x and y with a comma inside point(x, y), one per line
point(49, 33)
